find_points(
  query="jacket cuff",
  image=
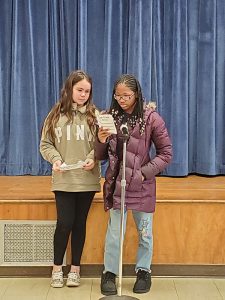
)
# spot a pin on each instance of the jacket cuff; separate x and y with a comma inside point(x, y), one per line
point(147, 173)
point(100, 150)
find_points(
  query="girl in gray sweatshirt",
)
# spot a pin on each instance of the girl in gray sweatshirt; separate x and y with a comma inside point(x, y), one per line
point(67, 142)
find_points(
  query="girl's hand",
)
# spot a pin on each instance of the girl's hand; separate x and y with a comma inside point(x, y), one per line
point(56, 166)
point(89, 164)
point(103, 134)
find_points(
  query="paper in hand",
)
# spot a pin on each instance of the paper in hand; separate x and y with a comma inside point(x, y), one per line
point(78, 165)
point(106, 121)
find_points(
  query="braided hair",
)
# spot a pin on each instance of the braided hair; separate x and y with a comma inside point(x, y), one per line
point(137, 115)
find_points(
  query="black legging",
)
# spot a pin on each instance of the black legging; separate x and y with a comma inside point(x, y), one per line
point(72, 210)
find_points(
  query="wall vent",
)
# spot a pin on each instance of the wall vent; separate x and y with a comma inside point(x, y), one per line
point(26, 243)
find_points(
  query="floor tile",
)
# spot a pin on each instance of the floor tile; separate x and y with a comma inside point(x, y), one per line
point(95, 292)
point(4, 285)
point(162, 289)
point(83, 292)
point(196, 289)
point(26, 288)
point(220, 284)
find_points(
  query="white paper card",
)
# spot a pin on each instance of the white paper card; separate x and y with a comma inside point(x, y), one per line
point(106, 121)
point(78, 165)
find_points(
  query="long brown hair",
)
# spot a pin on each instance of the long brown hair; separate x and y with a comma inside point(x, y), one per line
point(65, 104)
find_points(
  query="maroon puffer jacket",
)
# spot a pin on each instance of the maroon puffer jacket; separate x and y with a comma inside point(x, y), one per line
point(140, 195)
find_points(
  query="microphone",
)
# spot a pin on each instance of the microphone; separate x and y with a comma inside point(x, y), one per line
point(124, 130)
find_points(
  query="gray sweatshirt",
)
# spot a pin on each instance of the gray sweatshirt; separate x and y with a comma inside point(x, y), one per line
point(72, 142)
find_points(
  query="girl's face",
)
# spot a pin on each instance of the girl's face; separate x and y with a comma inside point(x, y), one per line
point(81, 92)
point(125, 98)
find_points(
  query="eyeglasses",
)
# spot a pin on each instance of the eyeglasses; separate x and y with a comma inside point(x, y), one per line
point(125, 97)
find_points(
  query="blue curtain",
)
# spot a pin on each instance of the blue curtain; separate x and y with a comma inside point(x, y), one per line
point(176, 48)
point(189, 48)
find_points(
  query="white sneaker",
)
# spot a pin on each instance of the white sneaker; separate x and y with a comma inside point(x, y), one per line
point(73, 279)
point(57, 279)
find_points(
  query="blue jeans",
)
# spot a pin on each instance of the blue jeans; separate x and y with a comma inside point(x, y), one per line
point(143, 223)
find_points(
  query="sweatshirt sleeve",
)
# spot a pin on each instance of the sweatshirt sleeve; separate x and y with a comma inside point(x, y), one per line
point(163, 146)
point(91, 155)
point(47, 148)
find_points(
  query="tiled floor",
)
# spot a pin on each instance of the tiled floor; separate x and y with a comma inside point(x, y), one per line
point(162, 289)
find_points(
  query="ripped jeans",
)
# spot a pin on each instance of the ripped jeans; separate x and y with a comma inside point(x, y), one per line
point(143, 223)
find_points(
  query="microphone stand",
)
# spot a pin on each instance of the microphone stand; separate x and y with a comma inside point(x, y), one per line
point(122, 210)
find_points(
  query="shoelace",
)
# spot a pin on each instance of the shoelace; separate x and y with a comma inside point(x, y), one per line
point(143, 274)
point(73, 276)
point(109, 277)
point(57, 276)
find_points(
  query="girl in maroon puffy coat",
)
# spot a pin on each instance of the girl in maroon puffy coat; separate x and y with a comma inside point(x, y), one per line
point(145, 127)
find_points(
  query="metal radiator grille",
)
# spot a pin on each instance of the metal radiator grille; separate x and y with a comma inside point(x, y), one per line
point(26, 242)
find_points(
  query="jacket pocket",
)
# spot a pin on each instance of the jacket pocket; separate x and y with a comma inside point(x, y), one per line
point(135, 182)
point(148, 188)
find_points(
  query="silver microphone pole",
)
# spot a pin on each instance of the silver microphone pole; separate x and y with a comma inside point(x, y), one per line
point(123, 189)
